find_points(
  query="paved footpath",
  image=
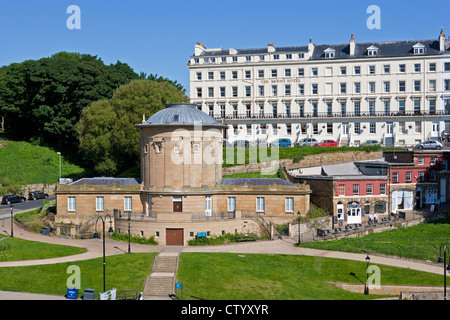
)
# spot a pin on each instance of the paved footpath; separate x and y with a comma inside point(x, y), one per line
point(94, 249)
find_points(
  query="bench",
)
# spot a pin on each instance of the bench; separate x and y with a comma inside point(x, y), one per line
point(127, 295)
point(246, 237)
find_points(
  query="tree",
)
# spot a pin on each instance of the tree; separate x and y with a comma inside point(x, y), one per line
point(108, 139)
point(43, 99)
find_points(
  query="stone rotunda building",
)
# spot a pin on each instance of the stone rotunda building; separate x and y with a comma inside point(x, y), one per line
point(181, 192)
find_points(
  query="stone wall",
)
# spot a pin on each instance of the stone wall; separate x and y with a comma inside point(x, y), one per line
point(44, 187)
point(310, 226)
point(190, 228)
point(308, 161)
point(432, 293)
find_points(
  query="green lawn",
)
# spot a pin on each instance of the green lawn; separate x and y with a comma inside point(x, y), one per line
point(15, 249)
point(123, 272)
point(419, 242)
point(241, 155)
point(26, 163)
point(277, 175)
point(228, 276)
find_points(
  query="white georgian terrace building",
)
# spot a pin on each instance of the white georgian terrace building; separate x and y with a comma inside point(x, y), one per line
point(387, 91)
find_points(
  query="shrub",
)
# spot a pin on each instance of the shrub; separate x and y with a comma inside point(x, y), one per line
point(214, 240)
point(133, 238)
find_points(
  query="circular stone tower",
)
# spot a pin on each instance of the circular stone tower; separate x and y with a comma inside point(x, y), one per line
point(181, 150)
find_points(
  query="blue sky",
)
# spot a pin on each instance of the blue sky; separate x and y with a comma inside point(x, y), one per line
point(159, 36)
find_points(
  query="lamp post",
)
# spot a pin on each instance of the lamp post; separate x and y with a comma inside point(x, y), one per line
point(59, 166)
point(110, 230)
point(446, 266)
point(129, 232)
point(298, 216)
point(366, 287)
point(12, 220)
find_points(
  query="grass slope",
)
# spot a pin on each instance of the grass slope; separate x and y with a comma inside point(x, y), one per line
point(282, 277)
point(418, 242)
point(239, 155)
point(19, 249)
point(25, 163)
point(123, 272)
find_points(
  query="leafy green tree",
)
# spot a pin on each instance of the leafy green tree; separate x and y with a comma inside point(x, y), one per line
point(43, 99)
point(109, 141)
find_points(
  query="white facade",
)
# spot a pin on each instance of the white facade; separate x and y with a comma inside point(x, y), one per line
point(391, 91)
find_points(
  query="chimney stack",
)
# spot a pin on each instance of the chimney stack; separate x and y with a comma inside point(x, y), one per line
point(310, 48)
point(352, 45)
point(199, 49)
point(442, 40)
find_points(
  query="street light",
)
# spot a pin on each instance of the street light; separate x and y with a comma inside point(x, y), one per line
point(366, 287)
point(12, 220)
point(446, 266)
point(110, 230)
point(298, 216)
point(129, 232)
point(59, 166)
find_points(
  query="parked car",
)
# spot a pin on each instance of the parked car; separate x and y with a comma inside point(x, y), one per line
point(12, 198)
point(309, 142)
point(431, 144)
point(326, 143)
point(261, 142)
point(283, 143)
point(34, 195)
point(370, 143)
point(241, 143)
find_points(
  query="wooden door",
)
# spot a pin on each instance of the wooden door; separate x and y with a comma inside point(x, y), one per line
point(174, 237)
point(177, 204)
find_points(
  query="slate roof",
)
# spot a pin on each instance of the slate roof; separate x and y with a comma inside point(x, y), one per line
point(341, 169)
point(107, 181)
point(386, 49)
point(180, 115)
point(255, 182)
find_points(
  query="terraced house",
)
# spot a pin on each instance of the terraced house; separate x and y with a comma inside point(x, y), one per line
point(396, 92)
point(401, 181)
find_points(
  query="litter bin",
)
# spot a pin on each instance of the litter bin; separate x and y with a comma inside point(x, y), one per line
point(89, 294)
point(72, 293)
point(45, 231)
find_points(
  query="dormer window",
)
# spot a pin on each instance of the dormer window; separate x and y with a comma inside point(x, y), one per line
point(419, 48)
point(372, 51)
point(330, 53)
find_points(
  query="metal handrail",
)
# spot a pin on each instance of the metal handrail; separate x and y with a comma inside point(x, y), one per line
point(308, 115)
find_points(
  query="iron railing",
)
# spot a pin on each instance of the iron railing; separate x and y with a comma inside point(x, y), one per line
point(343, 114)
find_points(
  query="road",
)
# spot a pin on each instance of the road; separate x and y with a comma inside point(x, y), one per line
point(5, 211)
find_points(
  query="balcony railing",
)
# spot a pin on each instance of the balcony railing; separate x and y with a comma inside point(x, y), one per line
point(309, 115)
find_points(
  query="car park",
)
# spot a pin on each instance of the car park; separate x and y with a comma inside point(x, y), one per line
point(34, 195)
point(430, 144)
point(12, 198)
point(326, 143)
point(309, 142)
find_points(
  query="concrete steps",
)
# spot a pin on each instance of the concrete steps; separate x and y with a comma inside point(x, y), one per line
point(159, 286)
point(165, 264)
point(161, 282)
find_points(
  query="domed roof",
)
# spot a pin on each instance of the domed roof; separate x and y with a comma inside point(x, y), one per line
point(180, 114)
